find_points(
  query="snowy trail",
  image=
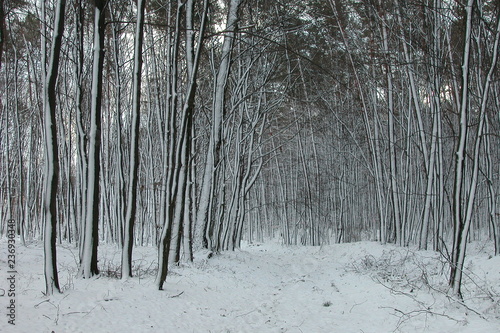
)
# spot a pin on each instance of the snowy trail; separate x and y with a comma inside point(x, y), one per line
point(304, 293)
point(265, 288)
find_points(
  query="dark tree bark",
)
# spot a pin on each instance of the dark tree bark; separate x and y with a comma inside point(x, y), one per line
point(128, 237)
point(52, 155)
point(88, 264)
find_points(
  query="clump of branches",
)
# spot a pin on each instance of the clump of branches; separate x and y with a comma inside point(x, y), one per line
point(404, 270)
point(141, 268)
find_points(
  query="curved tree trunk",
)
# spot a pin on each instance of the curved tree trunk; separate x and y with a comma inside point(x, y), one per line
point(52, 155)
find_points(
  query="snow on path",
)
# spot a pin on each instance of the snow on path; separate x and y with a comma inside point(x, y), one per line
point(264, 288)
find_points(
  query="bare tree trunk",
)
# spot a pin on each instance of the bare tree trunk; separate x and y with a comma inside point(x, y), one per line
point(466, 185)
point(18, 214)
point(52, 155)
point(88, 264)
point(214, 149)
point(189, 206)
point(81, 196)
point(458, 218)
point(429, 159)
point(119, 179)
point(128, 232)
point(180, 148)
point(492, 199)
point(167, 150)
point(471, 192)
point(393, 173)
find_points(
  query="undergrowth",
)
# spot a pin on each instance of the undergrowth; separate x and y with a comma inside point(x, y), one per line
point(423, 277)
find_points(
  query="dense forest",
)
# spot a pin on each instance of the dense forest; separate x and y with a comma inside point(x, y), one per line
point(194, 124)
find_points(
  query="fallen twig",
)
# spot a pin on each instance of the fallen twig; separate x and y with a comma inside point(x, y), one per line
point(173, 296)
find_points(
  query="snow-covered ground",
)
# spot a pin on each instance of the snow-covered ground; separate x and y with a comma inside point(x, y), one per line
point(358, 287)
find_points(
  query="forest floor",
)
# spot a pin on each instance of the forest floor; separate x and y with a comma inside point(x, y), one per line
point(357, 287)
